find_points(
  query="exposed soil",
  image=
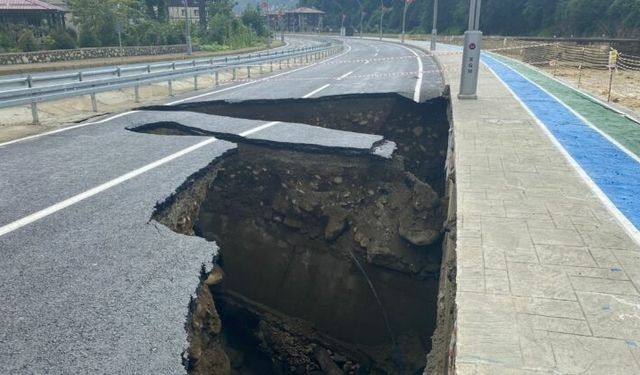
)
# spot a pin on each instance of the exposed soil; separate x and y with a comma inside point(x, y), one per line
point(420, 130)
point(329, 262)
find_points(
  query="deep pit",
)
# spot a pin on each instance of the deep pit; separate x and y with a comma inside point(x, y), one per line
point(329, 261)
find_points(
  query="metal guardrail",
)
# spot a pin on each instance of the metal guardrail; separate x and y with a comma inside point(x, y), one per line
point(114, 79)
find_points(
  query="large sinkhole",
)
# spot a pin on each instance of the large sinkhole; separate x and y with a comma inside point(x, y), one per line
point(329, 261)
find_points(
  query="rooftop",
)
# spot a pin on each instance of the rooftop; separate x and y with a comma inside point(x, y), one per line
point(35, 5)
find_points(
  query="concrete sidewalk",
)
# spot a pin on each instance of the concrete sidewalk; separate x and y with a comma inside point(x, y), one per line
point(548, 272)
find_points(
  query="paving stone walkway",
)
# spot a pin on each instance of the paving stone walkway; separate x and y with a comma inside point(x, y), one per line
point(547, 277)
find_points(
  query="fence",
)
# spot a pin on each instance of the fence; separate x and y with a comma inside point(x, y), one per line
point(595, 68)
point(76, 84)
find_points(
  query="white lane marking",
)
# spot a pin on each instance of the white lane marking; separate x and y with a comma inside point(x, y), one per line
point(67, 128)
point(631, 230)
point(263, 79)
point(116, 181)
point(416, 93)
point(316, 91)
point(172, 103)
point(8, 228)
point(344, 76)
point(366, 62)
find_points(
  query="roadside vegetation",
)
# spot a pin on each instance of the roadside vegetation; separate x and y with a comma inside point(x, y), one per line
point(140, 23)
point(579, 18)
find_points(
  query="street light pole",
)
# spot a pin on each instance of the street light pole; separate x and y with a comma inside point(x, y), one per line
point(404, 18)
point(471, 54)
point(434, 30)
point(361, 16)
point(381, 14)
point(188, 27)
point(268, 24)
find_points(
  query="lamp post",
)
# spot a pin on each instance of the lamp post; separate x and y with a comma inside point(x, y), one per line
point(361, 16)
point(265, 7)
point(381, 14)
point(187, 27)
point(434, 30)
point(471, 54)
point(404, 16)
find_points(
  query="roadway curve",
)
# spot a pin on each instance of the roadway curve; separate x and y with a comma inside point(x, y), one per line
point(88, 283)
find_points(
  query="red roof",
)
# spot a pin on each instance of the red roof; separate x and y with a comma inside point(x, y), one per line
point(28, 5)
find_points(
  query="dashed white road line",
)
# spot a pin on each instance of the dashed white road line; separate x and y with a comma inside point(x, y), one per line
point(344, 76)
point(8, 228)
point(349, 48)
point(312, 93)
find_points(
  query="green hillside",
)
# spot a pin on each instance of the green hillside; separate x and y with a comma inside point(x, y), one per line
point(612, 18)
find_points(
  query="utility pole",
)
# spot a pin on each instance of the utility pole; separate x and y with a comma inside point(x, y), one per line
point(266, 11)
point(434, 30)
point(361, 16)
point(404, 16)
point(188, 27)
point(471, 54)
point(381, 14)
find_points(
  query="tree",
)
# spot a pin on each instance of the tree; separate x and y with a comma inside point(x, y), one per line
point(252, 18)
point(27, 42)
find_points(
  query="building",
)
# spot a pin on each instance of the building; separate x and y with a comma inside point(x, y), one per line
point(31, 12)
point(178, 12)
point(298, 20)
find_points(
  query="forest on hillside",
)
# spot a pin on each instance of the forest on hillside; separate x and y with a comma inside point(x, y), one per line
point(611, 18)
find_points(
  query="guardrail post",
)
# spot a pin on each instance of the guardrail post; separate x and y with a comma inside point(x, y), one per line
point(149, 69)
point(271, 66)
point(280, 64)
point(261, 69)
point(29, 81)
point(173, 66)
point(217, 78)
point(234, 76)
point(136, 91)
point(118, 71)
point(94, 102)
point(79, 76)
point(195, 83)
point(34, 113)
point(226, 60)
point(248, 71)
point(170, 87)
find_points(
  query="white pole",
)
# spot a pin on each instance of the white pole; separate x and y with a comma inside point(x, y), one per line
point(404, 18)
point(434, 30)
point(187, 28)
point(268, 25)
point(381, 15)
point(471, 54)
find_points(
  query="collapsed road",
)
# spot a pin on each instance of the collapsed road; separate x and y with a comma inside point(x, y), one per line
point(106, 229)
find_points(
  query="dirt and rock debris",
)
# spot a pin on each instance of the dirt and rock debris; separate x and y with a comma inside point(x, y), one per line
point(328, 263)
point(420, 130)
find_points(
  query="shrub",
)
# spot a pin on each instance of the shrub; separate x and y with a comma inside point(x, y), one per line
point(27, 42)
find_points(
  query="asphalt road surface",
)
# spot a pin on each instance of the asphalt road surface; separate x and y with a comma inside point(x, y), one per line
point(89, 284)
